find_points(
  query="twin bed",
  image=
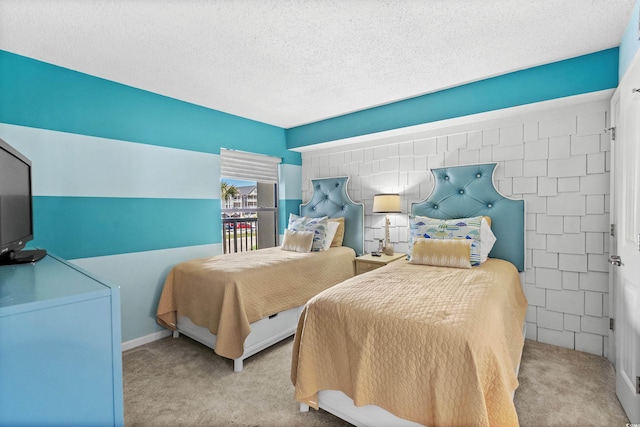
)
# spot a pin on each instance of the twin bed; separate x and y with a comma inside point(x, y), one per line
point(411, 344)
point(239, 304)
point(406, 344)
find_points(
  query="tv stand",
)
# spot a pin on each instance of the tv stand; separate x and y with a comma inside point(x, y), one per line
point(24, 256)
point(60, 351)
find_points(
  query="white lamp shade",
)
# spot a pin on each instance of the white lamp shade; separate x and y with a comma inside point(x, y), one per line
point(386, 203)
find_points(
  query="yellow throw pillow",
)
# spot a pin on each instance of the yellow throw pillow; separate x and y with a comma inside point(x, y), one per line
point(339, 236)
point(297, 241)
point(442, 253)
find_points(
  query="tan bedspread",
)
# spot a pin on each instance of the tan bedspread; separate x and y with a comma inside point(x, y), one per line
point(226, 293)
point(438, 346)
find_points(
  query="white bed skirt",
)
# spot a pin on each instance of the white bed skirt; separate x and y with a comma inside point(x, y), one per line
point(341, 405)
point(264, 333)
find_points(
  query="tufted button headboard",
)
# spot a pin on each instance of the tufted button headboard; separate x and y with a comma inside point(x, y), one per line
point(330, 199)
point(468, 191)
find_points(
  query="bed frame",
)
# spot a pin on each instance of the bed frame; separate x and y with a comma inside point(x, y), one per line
point(459, 192)
point(330, 199)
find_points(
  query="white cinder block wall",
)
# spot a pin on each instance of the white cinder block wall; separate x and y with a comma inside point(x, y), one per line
point(555, 158)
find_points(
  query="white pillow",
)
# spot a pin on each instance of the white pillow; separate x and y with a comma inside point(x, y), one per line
point(332, 228)
point(487, 239)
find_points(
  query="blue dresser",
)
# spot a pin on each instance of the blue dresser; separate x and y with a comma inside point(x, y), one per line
point(60, 350)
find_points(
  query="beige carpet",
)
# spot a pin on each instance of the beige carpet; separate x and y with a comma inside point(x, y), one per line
point(179, 382)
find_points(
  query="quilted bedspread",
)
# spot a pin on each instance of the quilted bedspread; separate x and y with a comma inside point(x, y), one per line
point(434, 345)
point(226, 293)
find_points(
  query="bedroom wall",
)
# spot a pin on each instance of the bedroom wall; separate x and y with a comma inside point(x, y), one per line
point(583, 74)
point(554, 155)
point(126, 182)
point(630, 43)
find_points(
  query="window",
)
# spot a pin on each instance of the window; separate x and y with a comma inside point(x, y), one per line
point(249, 197)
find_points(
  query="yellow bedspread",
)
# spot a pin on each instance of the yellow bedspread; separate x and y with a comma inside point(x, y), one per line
point(434, 345)
point(226, 293)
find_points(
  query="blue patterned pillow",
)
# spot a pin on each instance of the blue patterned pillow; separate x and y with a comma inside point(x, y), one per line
point(316, 225)
point(459, 228)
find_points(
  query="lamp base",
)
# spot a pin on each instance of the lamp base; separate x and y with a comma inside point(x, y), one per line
point(388, 249)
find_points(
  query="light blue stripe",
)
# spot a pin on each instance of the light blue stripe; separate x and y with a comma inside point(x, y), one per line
point(141, 277)
point(287, 207)
point(584, 74)
point(66, 164)
point(290, 185)
point(41, 95)
point(80, 227)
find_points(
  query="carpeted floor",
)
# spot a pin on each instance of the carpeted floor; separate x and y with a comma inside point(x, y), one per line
point(179, 382)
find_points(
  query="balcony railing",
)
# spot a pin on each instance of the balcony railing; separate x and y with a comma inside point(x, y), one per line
point(240, 234)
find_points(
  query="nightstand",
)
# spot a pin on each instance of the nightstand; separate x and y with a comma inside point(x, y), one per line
point(368, 262)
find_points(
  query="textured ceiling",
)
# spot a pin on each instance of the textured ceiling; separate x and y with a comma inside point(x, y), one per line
point(289, 63)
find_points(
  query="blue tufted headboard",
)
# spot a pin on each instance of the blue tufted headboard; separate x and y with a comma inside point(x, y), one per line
point(468, 191)
point(330, 199)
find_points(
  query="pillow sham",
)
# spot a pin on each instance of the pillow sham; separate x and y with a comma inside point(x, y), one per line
point(454, 253)
point(458, 228)
point(316, 225)
point(332, 228)
point(297, 241)
point(339, 236)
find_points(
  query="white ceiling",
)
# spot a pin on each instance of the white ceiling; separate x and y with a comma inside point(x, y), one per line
point(291, 62)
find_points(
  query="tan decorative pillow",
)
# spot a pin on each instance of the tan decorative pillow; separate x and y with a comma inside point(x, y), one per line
point(297, 241)
point(443, 253)
point(339, 236)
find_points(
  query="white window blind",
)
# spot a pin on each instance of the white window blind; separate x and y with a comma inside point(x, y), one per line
point(248, 166)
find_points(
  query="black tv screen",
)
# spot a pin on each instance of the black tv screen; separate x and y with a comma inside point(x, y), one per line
point(16, 216)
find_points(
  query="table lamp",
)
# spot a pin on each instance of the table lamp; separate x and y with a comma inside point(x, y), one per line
point(386, 203)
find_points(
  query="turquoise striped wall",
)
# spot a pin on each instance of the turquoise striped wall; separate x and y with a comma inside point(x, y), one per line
point(41, 95)
point(584, 74)
point(119, 194)
point(126, 182)
point(630, 40)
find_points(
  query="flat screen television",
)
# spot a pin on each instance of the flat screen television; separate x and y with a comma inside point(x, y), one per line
point(16, 208)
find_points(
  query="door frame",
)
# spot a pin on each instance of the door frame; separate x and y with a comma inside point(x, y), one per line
point(614, 104)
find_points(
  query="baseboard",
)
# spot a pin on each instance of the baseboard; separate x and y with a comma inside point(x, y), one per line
point(128, 345)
